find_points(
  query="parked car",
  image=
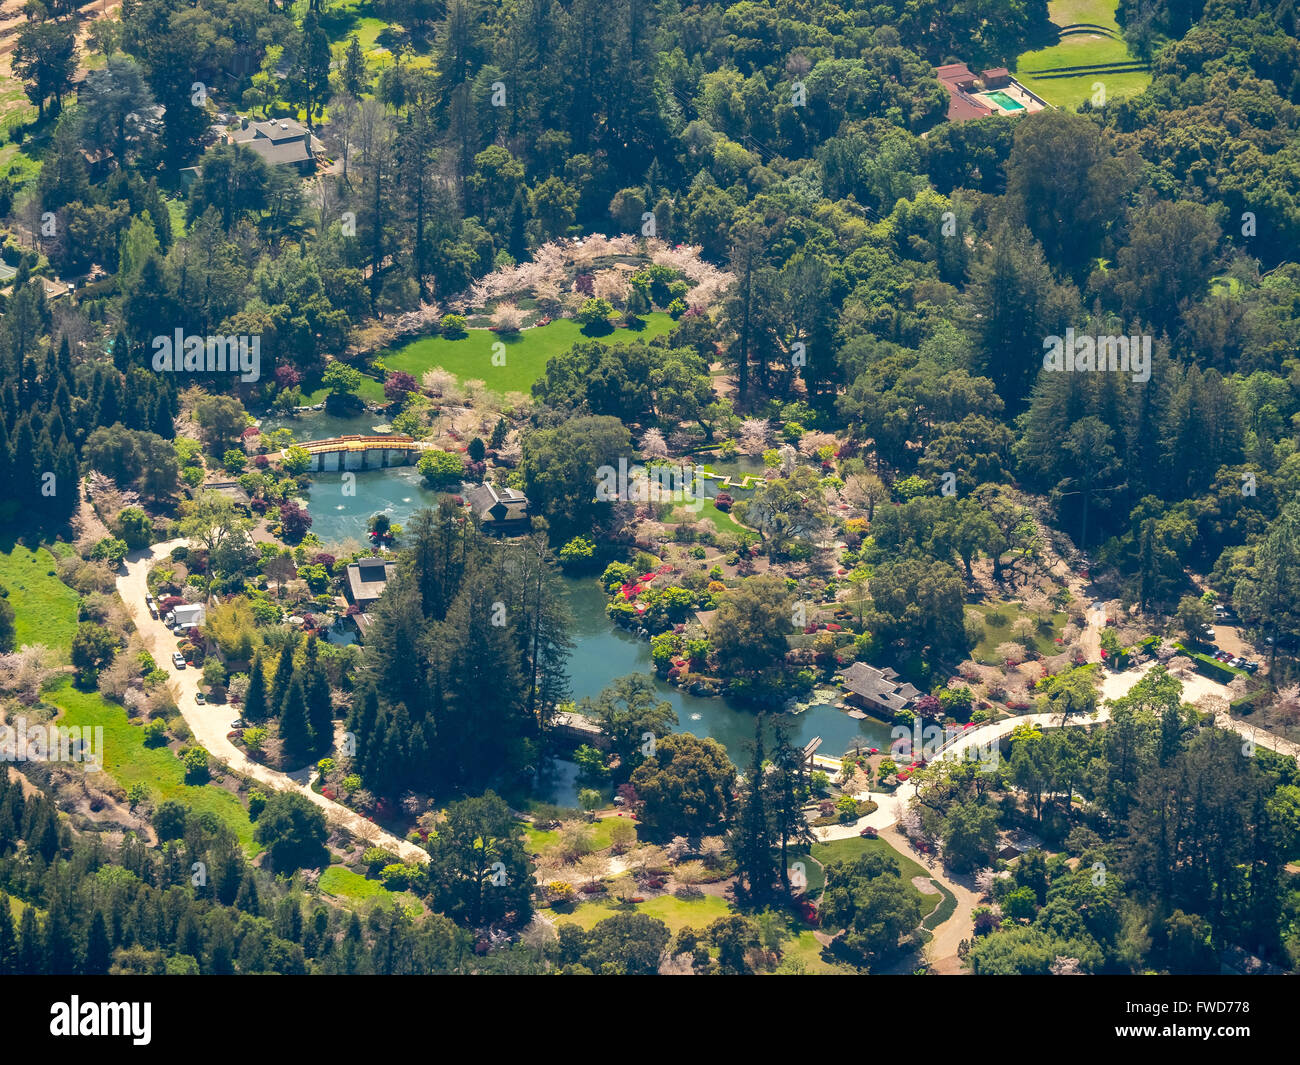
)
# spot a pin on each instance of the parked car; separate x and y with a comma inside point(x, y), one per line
point(1208, 633)
point(1251, 667)
point(238, 723)
point(178, 660)
point(200, 698)
point(169, 619)
point(1223, 656)
point(1237, 662)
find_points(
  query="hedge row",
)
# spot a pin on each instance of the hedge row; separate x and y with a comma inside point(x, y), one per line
point(1212, 667)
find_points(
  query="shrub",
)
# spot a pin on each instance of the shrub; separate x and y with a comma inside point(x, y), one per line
point(395, 877)
point(196, 766)
point(577, 553)
point(452, 326)
point(256, 804)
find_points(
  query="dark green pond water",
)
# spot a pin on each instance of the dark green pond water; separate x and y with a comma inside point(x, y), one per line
point(337, 517)
point(602, 651)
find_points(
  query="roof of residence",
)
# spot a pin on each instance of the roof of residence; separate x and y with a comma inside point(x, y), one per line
point(880, 686)
point(497, 504)
point(277, 154)
point(368, 576)
point(277, 130)
point(189, 613)
point(956, 77)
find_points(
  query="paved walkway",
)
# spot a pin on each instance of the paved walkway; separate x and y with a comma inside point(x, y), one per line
point(211, 723)
point(947, 937)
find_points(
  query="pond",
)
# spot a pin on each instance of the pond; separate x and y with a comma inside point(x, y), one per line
point(336, 517)
point(602, 651)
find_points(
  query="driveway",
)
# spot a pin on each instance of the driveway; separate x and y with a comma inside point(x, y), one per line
point(211, 723)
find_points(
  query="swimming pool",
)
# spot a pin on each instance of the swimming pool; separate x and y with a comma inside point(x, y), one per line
point(1004, 101)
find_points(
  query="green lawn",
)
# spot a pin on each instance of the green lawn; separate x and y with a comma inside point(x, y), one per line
point(946, 908)
point(675, 912)
point(985, 651)
point(1065, 74)
point(470, 357)
point(345, 884)
point(709, 512)
point(128, 761)
point(371, 390)
point(45, 608)
point(536, 841)
point(855, 846)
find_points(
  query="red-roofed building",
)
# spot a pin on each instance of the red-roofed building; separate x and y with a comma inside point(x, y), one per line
point(960, 83)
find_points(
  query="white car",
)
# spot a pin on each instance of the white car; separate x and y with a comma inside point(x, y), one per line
point(178, 660)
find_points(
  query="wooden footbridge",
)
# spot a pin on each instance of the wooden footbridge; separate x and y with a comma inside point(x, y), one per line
point(361, 452)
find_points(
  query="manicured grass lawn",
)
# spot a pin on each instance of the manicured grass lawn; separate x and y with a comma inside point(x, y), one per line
point(345, 884)
point(709, 512)
point(526, 355)
point(947, 906)
point(812, 871)
point(855, 846)
point(371, 390)
point(536, 841)
point(676, 913)
point(128, 761)
point(1081, 50)
point(45, 608)
point(985, 651)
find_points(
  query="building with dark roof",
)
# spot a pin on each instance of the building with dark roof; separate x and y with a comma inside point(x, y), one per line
point(280, 142)
point(366, 580)
point(879, 689)
point(498, 508)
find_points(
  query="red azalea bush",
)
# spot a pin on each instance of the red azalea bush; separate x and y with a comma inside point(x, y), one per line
point(723, 501)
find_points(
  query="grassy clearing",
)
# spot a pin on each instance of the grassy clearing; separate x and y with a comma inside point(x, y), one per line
point(128, 761)
point(676, 913)
point(856, 846)
point(814, 873)
point(526, 354)
point(946, 908)
point(371, 390)
point(536, 841)
point(709, 512)
point(45, 608)
point(1092, 52)
point(996, 632)
point(353, 887)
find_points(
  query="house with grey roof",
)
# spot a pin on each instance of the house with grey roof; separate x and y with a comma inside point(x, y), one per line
point(280, 142)
point(498, 508)
point(879, 689)
point(366, 580)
